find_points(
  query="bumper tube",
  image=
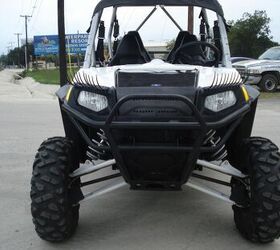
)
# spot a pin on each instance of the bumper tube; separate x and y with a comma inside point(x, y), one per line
point(198, 124)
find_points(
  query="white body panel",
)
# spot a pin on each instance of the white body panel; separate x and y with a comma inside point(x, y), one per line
point(207, 76)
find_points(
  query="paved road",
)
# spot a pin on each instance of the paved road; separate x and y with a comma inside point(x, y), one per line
point(119, 220)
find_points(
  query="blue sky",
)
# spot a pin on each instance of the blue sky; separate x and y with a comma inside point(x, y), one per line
point(78, 14)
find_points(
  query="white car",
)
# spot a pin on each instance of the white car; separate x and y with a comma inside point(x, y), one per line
point(264, 72)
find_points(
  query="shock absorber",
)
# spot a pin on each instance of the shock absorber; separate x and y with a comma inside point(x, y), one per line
point(213, 139)
point(101, 140)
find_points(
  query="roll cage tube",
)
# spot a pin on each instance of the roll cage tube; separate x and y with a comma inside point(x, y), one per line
point(114, 14)
point(90, 58)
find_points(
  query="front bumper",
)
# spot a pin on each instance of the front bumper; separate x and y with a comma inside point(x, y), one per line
point(253, 79)
point(121, 150)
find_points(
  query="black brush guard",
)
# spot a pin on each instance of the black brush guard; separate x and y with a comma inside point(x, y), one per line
point(118, 149)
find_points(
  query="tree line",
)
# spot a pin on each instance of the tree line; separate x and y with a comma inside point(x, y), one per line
point(250, 35)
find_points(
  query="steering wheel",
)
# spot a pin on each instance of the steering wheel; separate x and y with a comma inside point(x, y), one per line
point(199, 58)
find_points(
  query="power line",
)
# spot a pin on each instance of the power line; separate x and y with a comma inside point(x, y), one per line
point(34, 7)
point(34, 19)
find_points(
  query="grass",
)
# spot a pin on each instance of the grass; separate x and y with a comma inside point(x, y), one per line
point(46, 76)
point(270, 95)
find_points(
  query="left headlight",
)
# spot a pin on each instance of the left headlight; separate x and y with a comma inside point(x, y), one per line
point(220, 101)
point(93, 101)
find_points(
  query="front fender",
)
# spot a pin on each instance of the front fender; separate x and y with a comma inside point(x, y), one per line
point(253, 93)
point(62, 92)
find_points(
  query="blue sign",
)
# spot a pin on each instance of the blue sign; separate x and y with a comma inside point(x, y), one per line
point(49, 45)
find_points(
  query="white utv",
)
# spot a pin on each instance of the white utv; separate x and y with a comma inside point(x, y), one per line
point(157, 123)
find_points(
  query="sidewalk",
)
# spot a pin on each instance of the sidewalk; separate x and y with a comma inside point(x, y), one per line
point(13, 87)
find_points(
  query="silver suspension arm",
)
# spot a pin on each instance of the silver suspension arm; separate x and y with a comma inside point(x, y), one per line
point(91, 168)
point(208, 190)
point(225, 168)
point(103, 190)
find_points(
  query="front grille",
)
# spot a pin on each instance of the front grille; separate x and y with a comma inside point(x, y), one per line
point(156, 79)
point(155, 109)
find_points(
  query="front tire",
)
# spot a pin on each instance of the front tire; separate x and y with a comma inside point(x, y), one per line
point(53, 209)
point(269, 83)
point(260, 220)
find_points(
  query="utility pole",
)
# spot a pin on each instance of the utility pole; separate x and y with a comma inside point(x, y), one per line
point(190, 19)
point(62, 47)
point(18, 34)
point(26, 40)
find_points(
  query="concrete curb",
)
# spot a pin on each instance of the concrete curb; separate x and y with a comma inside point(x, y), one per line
point(14, 86)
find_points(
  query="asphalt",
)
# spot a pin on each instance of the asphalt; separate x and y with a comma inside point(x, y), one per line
point(123, 219)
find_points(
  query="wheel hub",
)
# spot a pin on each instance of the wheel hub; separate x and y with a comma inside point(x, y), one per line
point(270, 84)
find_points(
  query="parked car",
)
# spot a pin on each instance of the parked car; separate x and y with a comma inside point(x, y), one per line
point(264, 72)
point(239, 59)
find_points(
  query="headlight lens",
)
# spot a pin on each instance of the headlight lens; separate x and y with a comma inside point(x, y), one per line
point(220, 101)
point(254, 71)
point(93, 101)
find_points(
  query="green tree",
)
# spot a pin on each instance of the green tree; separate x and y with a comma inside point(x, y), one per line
point(250, 36)
point(12, 57)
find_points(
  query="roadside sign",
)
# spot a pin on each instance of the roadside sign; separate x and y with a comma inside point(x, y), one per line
point(49, 44)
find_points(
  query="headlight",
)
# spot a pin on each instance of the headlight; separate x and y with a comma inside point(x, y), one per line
point(92, 101)
point(255, 71)
point(220, 101)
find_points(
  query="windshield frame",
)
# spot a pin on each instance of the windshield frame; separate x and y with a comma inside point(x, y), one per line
point(90, 57)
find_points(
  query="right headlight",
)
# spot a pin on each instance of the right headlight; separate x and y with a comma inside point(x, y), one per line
point(93, 101)
point(220, 101)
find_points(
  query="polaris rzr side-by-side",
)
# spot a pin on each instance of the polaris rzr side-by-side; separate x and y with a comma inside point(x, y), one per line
point(157, 118)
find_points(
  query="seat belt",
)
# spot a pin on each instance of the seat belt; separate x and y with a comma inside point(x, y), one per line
point(116, 35)
point(100, 45)
point(217, 37)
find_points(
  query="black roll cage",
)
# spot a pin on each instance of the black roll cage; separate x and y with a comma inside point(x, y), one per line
point(114, 16)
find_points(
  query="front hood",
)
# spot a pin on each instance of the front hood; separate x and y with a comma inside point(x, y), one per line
point(255, 63)
point(206, 76)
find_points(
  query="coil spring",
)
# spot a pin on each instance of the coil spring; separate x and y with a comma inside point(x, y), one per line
point(212, 139)
point(96, 154)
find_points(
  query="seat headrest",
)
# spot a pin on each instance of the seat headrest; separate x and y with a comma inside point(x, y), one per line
point(130, 50)
point(129, 45)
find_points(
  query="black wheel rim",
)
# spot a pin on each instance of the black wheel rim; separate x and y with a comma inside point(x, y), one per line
point(270, 84)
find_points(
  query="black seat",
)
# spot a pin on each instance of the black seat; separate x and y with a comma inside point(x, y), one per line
point(130, 51)
point(189, 55)
point(183, 35)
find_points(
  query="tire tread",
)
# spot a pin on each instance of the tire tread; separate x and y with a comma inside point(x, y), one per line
point(55, 219)
point(261, 221)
